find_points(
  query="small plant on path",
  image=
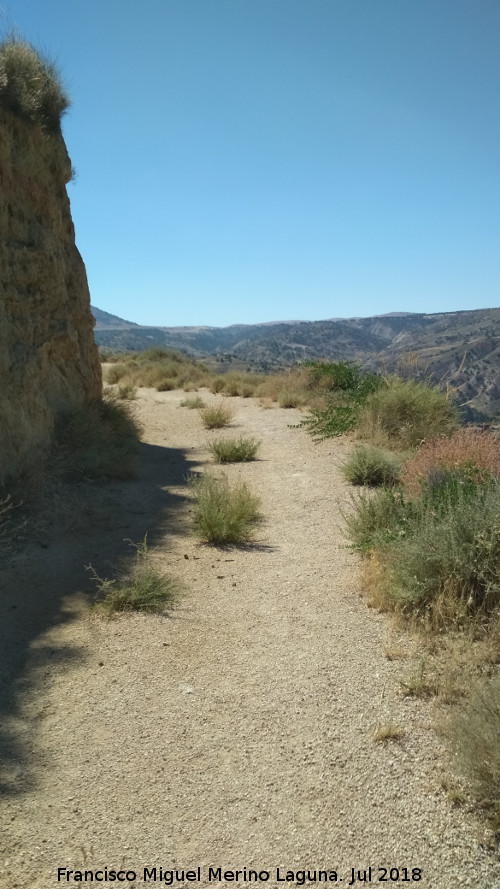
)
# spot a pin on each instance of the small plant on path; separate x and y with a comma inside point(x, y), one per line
point(193, 402)
point(217, 416)
point(224, 514)
point(234, 450)
point(143, 588)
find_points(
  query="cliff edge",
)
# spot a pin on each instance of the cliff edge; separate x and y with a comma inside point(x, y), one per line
point(48, 358)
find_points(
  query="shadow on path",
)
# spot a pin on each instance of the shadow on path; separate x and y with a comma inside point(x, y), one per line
point(41, 586)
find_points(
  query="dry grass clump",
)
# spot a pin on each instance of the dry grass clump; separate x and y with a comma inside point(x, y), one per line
point(224, 514)
point(193, 402)
point(234, 450)
point(30, 85)
point(468, 449)
point(368, 465)
point(115, 373)
point(288, 388)
point(216, 416)
point(473, 732)
point(126, 393)
point(404, 413)
point(158, 368)
point(144, 587)
point(291, 399)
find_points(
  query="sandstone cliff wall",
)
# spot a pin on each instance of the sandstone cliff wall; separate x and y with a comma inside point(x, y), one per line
point(48, 359)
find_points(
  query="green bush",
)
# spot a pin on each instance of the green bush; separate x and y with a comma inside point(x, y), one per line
point(143, 588)
point(407, 413)
point(451, 551)
point(217, 416)
point(99, 441)
point(441, 551)
point(368, 465)
point(346, 388)
point(223, 514)
point(234, 450)
point(30, 86)
point(377, 520)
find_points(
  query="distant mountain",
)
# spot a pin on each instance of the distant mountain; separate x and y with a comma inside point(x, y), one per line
point(104, 320)
point(460, 350)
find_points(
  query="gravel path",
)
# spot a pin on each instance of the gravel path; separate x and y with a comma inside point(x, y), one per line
point(237, 733)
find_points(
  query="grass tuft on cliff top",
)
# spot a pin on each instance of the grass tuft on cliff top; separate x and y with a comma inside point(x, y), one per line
point(30, 85)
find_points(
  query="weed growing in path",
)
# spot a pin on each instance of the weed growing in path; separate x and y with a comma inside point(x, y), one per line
point(224, 514)
point(193, 402)
point(234, 450)
point(143, 588)
point(216, 416)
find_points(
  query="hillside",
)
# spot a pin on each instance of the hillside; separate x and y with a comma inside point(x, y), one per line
point(462, 349)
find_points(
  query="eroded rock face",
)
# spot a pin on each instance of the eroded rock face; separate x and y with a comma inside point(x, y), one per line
point(48, 358)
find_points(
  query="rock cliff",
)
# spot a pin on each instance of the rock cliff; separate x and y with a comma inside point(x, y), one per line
point(48, 358)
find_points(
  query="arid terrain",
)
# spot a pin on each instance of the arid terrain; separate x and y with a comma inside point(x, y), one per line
point(457, 350)
point(237, 731)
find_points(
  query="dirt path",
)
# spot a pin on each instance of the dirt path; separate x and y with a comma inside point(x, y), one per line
point(238, 732)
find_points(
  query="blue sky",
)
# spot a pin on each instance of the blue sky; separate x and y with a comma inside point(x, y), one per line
point(242, 161)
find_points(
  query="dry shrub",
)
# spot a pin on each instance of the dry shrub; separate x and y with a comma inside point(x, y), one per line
point(216, 416)
point(224, 514)
point(30, 85)
point(234, 450)
point(466, 449)
point(367, 465)
point(142, 587)
point(406, 413)
point(473, 732)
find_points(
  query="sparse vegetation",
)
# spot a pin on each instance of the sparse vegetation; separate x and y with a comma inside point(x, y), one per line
point(224, 514)
point(30, 85)
point(473, 731)
point(193, 402)
point(234, 450)
point(97, 441)
point(433, 540)
point(144, 587)
point(158, 368)
point(368, 465)
point(216, 416)
point(126, 393)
